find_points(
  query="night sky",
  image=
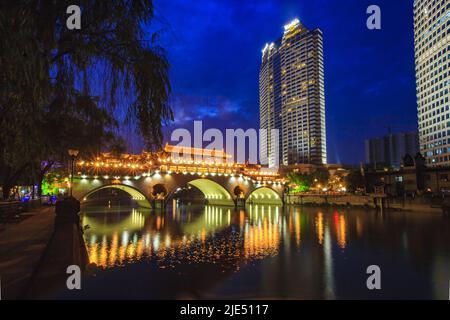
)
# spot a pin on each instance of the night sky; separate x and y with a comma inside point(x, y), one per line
point(214, 48)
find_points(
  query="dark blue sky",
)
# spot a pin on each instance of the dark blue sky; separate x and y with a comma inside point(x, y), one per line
point(214, 48)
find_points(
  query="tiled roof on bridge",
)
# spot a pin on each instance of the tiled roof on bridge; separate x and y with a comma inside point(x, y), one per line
point(196, 151)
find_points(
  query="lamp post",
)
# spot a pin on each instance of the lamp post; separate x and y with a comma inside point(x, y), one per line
point(73, 153)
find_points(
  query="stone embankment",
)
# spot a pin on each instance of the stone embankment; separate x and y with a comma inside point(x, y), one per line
point(367, 201)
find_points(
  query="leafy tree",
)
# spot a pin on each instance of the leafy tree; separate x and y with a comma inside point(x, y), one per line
point(300, 182)
point(59, 88)
point(355, 180)
point(51, 181)
point(322, 175)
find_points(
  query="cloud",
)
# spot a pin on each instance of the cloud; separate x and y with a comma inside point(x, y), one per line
point(188, 108)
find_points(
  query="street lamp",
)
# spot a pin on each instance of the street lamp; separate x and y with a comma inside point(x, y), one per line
point(73, 153)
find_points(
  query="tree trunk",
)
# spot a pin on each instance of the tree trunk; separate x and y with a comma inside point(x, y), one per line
point(6, 188)
point(39, 184)
point(10, 180)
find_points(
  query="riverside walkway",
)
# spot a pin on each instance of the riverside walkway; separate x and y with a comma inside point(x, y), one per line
point(21, 247)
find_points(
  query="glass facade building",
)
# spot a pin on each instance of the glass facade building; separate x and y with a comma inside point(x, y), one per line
point(292, 98)
point(432, 62)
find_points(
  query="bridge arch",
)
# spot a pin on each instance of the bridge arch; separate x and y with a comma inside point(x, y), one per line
point(214, 192)
point(135, 194)
point(264, 195)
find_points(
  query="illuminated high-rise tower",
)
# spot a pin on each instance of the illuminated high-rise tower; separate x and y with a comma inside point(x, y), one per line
point(292, 98)
point(432, 57)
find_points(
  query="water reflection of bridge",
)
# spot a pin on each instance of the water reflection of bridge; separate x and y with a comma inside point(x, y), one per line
point(221, 239)
point(218, 234)
point(182, 233)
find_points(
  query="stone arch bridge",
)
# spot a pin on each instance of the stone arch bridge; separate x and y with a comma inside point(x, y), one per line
point(218, 190)
point(154, 178)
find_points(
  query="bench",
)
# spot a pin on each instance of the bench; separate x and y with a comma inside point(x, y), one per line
point(9, 211)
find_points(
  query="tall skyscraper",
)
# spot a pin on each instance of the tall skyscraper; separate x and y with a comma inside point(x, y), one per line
point(432, 57)
point(292, 98)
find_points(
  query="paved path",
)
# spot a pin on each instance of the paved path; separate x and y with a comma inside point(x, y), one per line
point(21, 247)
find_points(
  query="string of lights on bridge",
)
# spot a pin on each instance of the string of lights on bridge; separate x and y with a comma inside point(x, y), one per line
point(105, 170)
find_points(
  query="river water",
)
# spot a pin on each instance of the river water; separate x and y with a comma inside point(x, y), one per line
point(265, 252)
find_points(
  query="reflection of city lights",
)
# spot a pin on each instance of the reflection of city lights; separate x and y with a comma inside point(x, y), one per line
point(156, 242)
point(102, 260)
point(341, 232)
point(260, 233)
point(124, 238)
point(93, 239)
point(320, 227)
point(113, 250)
point(297, 228)
point(167, 241)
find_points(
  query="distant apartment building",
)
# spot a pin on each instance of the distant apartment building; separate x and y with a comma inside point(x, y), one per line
point(292, 97)
point(389, 150)
point(432, 60)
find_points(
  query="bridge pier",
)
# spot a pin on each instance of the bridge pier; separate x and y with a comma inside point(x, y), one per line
point(158, 204)
point(239, 202)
